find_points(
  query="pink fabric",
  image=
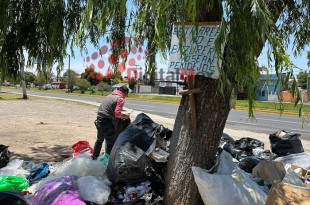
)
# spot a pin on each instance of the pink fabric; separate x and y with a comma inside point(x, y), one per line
point(120, 103)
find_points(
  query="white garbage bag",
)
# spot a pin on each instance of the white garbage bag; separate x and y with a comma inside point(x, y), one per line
point(230, 187)
point(93, 190)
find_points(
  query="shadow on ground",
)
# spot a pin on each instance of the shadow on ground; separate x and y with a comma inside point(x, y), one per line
point(44, 154)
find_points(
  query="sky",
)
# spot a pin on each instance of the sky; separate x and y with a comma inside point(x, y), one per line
point(136, 58)
point(299, 61)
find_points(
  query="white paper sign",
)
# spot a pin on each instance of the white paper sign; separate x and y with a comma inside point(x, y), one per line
point(199, 55)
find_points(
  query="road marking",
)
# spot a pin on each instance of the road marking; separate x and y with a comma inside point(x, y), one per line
point(134, 104)
point(249, 123)
point(147, 110)
point(274, 120)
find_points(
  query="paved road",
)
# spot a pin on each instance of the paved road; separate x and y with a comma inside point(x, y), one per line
point(237, 119)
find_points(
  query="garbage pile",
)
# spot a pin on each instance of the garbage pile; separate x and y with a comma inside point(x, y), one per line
point(132, 174)
point(244, 173)
point(249, 174)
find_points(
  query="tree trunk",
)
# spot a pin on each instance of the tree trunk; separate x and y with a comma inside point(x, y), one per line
point(188, 149)
point(212, 108)
point(22, 72)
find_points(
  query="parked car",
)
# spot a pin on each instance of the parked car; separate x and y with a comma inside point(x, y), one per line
point(47, 86)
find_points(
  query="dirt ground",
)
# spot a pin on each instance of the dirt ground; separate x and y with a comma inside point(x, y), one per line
point(41, 130)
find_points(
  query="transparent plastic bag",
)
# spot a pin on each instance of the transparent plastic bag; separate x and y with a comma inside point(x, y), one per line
point(14, 167)
point(93, 190)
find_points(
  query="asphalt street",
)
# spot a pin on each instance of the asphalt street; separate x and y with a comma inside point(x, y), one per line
point(238, 119)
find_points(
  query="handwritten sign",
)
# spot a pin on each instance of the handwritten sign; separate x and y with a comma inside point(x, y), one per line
point(198, 50)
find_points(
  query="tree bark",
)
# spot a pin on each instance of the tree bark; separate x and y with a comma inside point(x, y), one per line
point(188, 150)
point(212, 108)
point(22, 72)
point(196, 144)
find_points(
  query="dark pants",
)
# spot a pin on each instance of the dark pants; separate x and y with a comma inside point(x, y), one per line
point(105, 131)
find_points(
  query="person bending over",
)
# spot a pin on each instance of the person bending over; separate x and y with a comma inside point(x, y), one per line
point(109, 110)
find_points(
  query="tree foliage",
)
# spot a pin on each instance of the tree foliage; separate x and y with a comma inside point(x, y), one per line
point(30, 77)
point(40, 79)
point(70, 77)
point(258, 20)
point(302, 78)
point(41, 28)
point(308, 57)
point(44, 28)
point(83, 84)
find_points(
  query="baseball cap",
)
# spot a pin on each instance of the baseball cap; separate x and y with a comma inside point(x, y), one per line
point(124, 89)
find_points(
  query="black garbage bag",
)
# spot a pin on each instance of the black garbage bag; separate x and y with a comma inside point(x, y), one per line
point(4, 155)
point(248, 143)
point(244, 147)
point(120, 125)
point(248, 163)
point(228, 144)
point(228, 139)
point(129, 161)
point(12, 197)
point(284, 143)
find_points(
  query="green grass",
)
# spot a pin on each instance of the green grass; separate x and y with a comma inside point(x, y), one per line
point(259, 106)
point(273, 107)
point(12, 96)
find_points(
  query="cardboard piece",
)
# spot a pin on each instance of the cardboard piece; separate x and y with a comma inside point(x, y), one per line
point(302, 172)
point(284, 194)
point(269, 170)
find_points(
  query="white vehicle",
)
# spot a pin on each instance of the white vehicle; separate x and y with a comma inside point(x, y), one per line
point(47, 86)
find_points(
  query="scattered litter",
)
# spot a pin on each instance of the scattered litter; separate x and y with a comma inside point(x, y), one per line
point(134, 173)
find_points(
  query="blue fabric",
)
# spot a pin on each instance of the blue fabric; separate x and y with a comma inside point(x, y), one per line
point(38, 172)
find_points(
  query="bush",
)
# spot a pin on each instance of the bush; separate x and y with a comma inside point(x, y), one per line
point(92, 89)
point(83, 84)
point(102, 87)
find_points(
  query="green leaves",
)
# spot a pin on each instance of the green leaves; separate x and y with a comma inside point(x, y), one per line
point(40, 28)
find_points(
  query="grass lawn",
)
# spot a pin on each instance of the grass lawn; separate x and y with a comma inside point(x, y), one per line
point(12, 96)
point(275, 107)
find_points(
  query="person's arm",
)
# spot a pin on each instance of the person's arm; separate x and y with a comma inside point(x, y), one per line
point(118, 109)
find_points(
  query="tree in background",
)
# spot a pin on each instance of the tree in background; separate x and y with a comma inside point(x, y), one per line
point(30, 77)
point(92, 76)
point(70, 78)
point(40, 79)
point(103, 87)
point(40, 28)
point(302, 79)
point(83, 84)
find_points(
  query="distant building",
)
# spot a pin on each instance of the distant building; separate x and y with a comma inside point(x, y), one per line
point(266, 90)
